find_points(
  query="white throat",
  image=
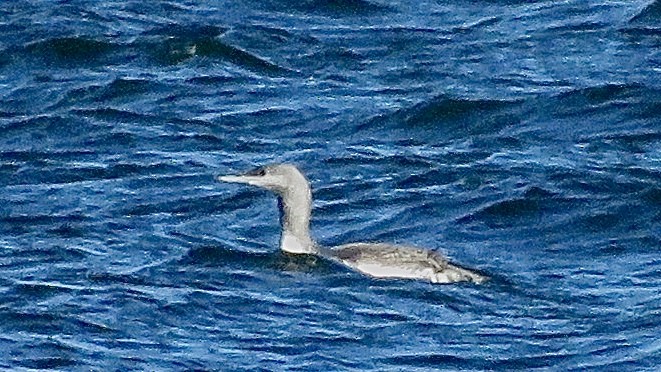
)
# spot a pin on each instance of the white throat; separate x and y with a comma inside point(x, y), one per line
point(292, 244)
point(295, 207)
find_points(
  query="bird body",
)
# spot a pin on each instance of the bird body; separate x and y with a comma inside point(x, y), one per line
point(380, 260)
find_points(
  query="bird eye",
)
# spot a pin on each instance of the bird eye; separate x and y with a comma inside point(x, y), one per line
point(261, 172)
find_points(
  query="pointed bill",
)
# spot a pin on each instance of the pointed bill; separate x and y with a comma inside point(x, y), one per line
point(247, 179)
point(235, 179)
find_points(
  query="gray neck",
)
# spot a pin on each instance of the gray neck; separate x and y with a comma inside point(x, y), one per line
point(295, 208)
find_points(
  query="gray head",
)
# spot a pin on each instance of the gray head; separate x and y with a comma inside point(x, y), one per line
point(295, 198)
point(283, 179)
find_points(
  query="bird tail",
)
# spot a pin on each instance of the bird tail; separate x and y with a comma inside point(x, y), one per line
point(459, 274)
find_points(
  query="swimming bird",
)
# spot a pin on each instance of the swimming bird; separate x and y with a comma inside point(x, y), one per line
point(380, 260)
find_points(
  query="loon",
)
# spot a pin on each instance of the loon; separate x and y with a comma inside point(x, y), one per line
point(380, 260)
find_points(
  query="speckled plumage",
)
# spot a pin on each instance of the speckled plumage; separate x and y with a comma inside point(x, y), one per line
point(386, 260)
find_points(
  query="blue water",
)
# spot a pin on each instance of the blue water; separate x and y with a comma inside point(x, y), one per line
point(520, 138)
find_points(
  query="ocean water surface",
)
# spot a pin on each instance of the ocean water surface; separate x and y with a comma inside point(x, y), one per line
point(519, 138)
